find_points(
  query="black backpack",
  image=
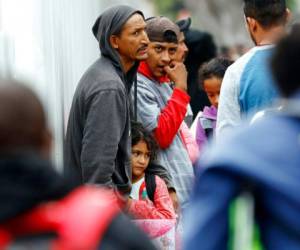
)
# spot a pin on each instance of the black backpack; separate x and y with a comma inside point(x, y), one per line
point(150, 185)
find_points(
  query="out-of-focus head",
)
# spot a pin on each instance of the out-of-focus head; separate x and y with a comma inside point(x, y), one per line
point(163, 35)
point(211, 76)
point(182, 51)
point(266, 14)
point(286, 63)
point(23, 124)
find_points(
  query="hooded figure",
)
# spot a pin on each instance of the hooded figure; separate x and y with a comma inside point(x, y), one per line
point(97, 146)
point(202, 48)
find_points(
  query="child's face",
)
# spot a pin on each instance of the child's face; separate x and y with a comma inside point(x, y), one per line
point(140, 158)
point(212, 88)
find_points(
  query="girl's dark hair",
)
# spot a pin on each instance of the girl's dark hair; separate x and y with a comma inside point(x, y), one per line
point(139, 133)
point(216, 67)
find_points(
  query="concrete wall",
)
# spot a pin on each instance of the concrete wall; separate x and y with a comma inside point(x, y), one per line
point(50, 44)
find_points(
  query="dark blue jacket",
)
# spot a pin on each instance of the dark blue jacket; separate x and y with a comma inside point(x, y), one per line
point(263, 158)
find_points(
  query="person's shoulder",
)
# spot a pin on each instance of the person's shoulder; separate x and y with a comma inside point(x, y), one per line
point(101, 75)
point(241, 62)
point(258, 59)
point(159, 181)
point(144, 81)
point(246, 141)
point(145, 85)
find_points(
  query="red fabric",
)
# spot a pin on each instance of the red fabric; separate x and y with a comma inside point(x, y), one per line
point(161, 208)
point(145, 70)
point(142, 190)
point(80, 219)
point(5, 238)
point(171, 117)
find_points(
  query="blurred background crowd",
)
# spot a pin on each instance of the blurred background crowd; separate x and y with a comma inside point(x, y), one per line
point(50, 44)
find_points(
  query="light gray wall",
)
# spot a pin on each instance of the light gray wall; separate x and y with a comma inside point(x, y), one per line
point(223, 18)
point(50, 44)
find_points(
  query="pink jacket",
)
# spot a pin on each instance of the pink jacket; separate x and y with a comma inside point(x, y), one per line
point(190, 143)
point(161, 208)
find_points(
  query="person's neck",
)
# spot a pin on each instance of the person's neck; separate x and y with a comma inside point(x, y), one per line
point(135, 179)
point(271, 36)
point(126, 64)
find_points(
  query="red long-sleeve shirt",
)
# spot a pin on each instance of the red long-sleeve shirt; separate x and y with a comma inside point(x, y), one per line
point(171, 117)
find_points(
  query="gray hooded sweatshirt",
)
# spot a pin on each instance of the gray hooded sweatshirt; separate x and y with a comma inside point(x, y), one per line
point(98, 142)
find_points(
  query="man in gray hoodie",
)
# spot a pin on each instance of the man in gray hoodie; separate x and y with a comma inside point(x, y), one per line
point(97, 146)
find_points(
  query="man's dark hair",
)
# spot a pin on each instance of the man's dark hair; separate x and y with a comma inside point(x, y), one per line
point(214, 68)
point(138, 133)
point(286, 62)
point(267, 12)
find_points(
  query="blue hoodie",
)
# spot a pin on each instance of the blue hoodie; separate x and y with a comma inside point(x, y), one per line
point(263, 159)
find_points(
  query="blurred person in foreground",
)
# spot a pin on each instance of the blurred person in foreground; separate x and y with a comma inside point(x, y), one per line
point(98, 143)
point(248, 85)
point(40, 209)
point(262, 159)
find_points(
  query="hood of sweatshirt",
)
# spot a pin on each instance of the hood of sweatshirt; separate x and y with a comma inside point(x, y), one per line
point(111, 22)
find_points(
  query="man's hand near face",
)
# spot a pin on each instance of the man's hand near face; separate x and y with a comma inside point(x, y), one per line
point(177, 73)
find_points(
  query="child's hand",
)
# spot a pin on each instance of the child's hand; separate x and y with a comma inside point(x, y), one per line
point(129, 201)
point(174, 199)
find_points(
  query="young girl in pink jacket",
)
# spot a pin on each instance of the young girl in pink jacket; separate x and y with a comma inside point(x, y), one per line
point(149, 197)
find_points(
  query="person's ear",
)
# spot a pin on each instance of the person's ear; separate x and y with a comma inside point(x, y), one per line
point(114, 41)
point(288, 15)
point(252, 24)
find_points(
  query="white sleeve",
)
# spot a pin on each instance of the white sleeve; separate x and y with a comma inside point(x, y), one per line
point(229, 114)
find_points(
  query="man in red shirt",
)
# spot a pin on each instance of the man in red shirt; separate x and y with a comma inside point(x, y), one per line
point(162, 109)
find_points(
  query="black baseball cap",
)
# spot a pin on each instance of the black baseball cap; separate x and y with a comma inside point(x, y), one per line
point(184, 24)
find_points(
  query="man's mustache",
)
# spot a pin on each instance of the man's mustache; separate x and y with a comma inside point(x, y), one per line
point(144, 47)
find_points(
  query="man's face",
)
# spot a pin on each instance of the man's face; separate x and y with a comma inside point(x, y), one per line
point(182, 50)
point(133, 41)
point(160, 54)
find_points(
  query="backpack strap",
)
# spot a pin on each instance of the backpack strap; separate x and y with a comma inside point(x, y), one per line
point(135, 99)
point(150, 185)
